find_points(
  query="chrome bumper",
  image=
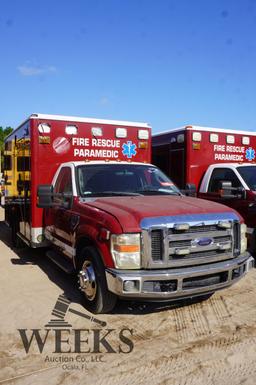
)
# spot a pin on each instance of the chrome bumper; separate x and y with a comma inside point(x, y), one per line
point(178, 283)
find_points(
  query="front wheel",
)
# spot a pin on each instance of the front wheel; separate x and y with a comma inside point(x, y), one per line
point(92, 282)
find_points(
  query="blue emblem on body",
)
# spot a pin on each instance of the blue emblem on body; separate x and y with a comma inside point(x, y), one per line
point(250, 154)
point(129, 149)
point(202, 242)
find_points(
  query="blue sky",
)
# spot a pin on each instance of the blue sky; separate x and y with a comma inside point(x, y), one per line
point(165, 62)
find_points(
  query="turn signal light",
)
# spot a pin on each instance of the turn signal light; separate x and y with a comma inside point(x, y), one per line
point(181, 226)
point(127, 248)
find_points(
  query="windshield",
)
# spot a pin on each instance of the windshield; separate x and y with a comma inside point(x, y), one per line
point(123, 179)
point(248, 173)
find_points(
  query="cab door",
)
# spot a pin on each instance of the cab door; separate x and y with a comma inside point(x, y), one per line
point(213, 191)
point(61, 212)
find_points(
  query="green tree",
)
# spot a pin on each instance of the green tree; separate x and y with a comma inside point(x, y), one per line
point(3, 133)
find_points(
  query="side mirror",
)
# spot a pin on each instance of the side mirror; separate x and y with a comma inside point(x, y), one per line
point(190, 190)
point(227, 191)
point(45, 196)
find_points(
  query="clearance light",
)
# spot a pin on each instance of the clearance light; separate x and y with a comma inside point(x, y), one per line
point(121, 132)
point(214, 138)
point(196, 146)
point(125, 249)
point(197, 136)
point(181, 226)
point(143, 134)
point(71, 130)
point(44, 128)
point(224, 225)
point(96, 131)
point(230, 139)
point(44, 139)
point(182, 251)
point(246, 140)
point(143, 145)
point(224, 246)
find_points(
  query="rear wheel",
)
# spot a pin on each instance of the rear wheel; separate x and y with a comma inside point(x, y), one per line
point(92, 282)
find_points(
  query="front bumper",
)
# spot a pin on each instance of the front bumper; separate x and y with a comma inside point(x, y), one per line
point(178, 283)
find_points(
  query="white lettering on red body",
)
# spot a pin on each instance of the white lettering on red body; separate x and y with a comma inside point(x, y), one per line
point(219, 147)
point(80, 142)
point(229, 153)
point(229, 157)
point(106, 143)
point(107, 152)
point(97, 153)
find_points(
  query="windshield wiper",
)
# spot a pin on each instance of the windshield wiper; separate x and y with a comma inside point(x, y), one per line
point(113, 193)
point(156, 191)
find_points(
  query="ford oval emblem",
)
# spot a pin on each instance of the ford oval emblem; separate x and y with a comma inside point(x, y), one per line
point(204, 241)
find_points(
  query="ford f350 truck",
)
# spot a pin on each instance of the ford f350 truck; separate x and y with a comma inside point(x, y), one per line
point(105, 212)
point(217, 164)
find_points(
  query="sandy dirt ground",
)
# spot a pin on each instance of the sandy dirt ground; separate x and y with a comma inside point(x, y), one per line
point(211, 342)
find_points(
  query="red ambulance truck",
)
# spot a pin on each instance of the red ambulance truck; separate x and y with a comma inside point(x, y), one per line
point(93, 198)
point(218, 164)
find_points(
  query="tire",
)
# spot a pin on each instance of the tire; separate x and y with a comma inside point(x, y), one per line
point(95, 295)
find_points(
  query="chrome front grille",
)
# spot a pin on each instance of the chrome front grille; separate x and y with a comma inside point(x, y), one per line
point(156, 244)
point(202, 242)
point(198, 254)
point(187, 242)
point(193, 229)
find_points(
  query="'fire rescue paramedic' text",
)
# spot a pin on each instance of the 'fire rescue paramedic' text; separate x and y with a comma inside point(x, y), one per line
point(237, 151)
point(96, 153)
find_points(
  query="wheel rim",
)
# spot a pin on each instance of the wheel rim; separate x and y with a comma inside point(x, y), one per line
point(87, 280)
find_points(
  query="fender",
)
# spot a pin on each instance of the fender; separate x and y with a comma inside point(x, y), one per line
point(89, 235)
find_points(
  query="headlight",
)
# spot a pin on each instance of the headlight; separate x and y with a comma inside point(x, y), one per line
point(243, 229)
point(125, 249)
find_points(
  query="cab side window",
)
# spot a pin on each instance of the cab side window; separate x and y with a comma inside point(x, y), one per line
point(63, 183)
point(222, 174)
